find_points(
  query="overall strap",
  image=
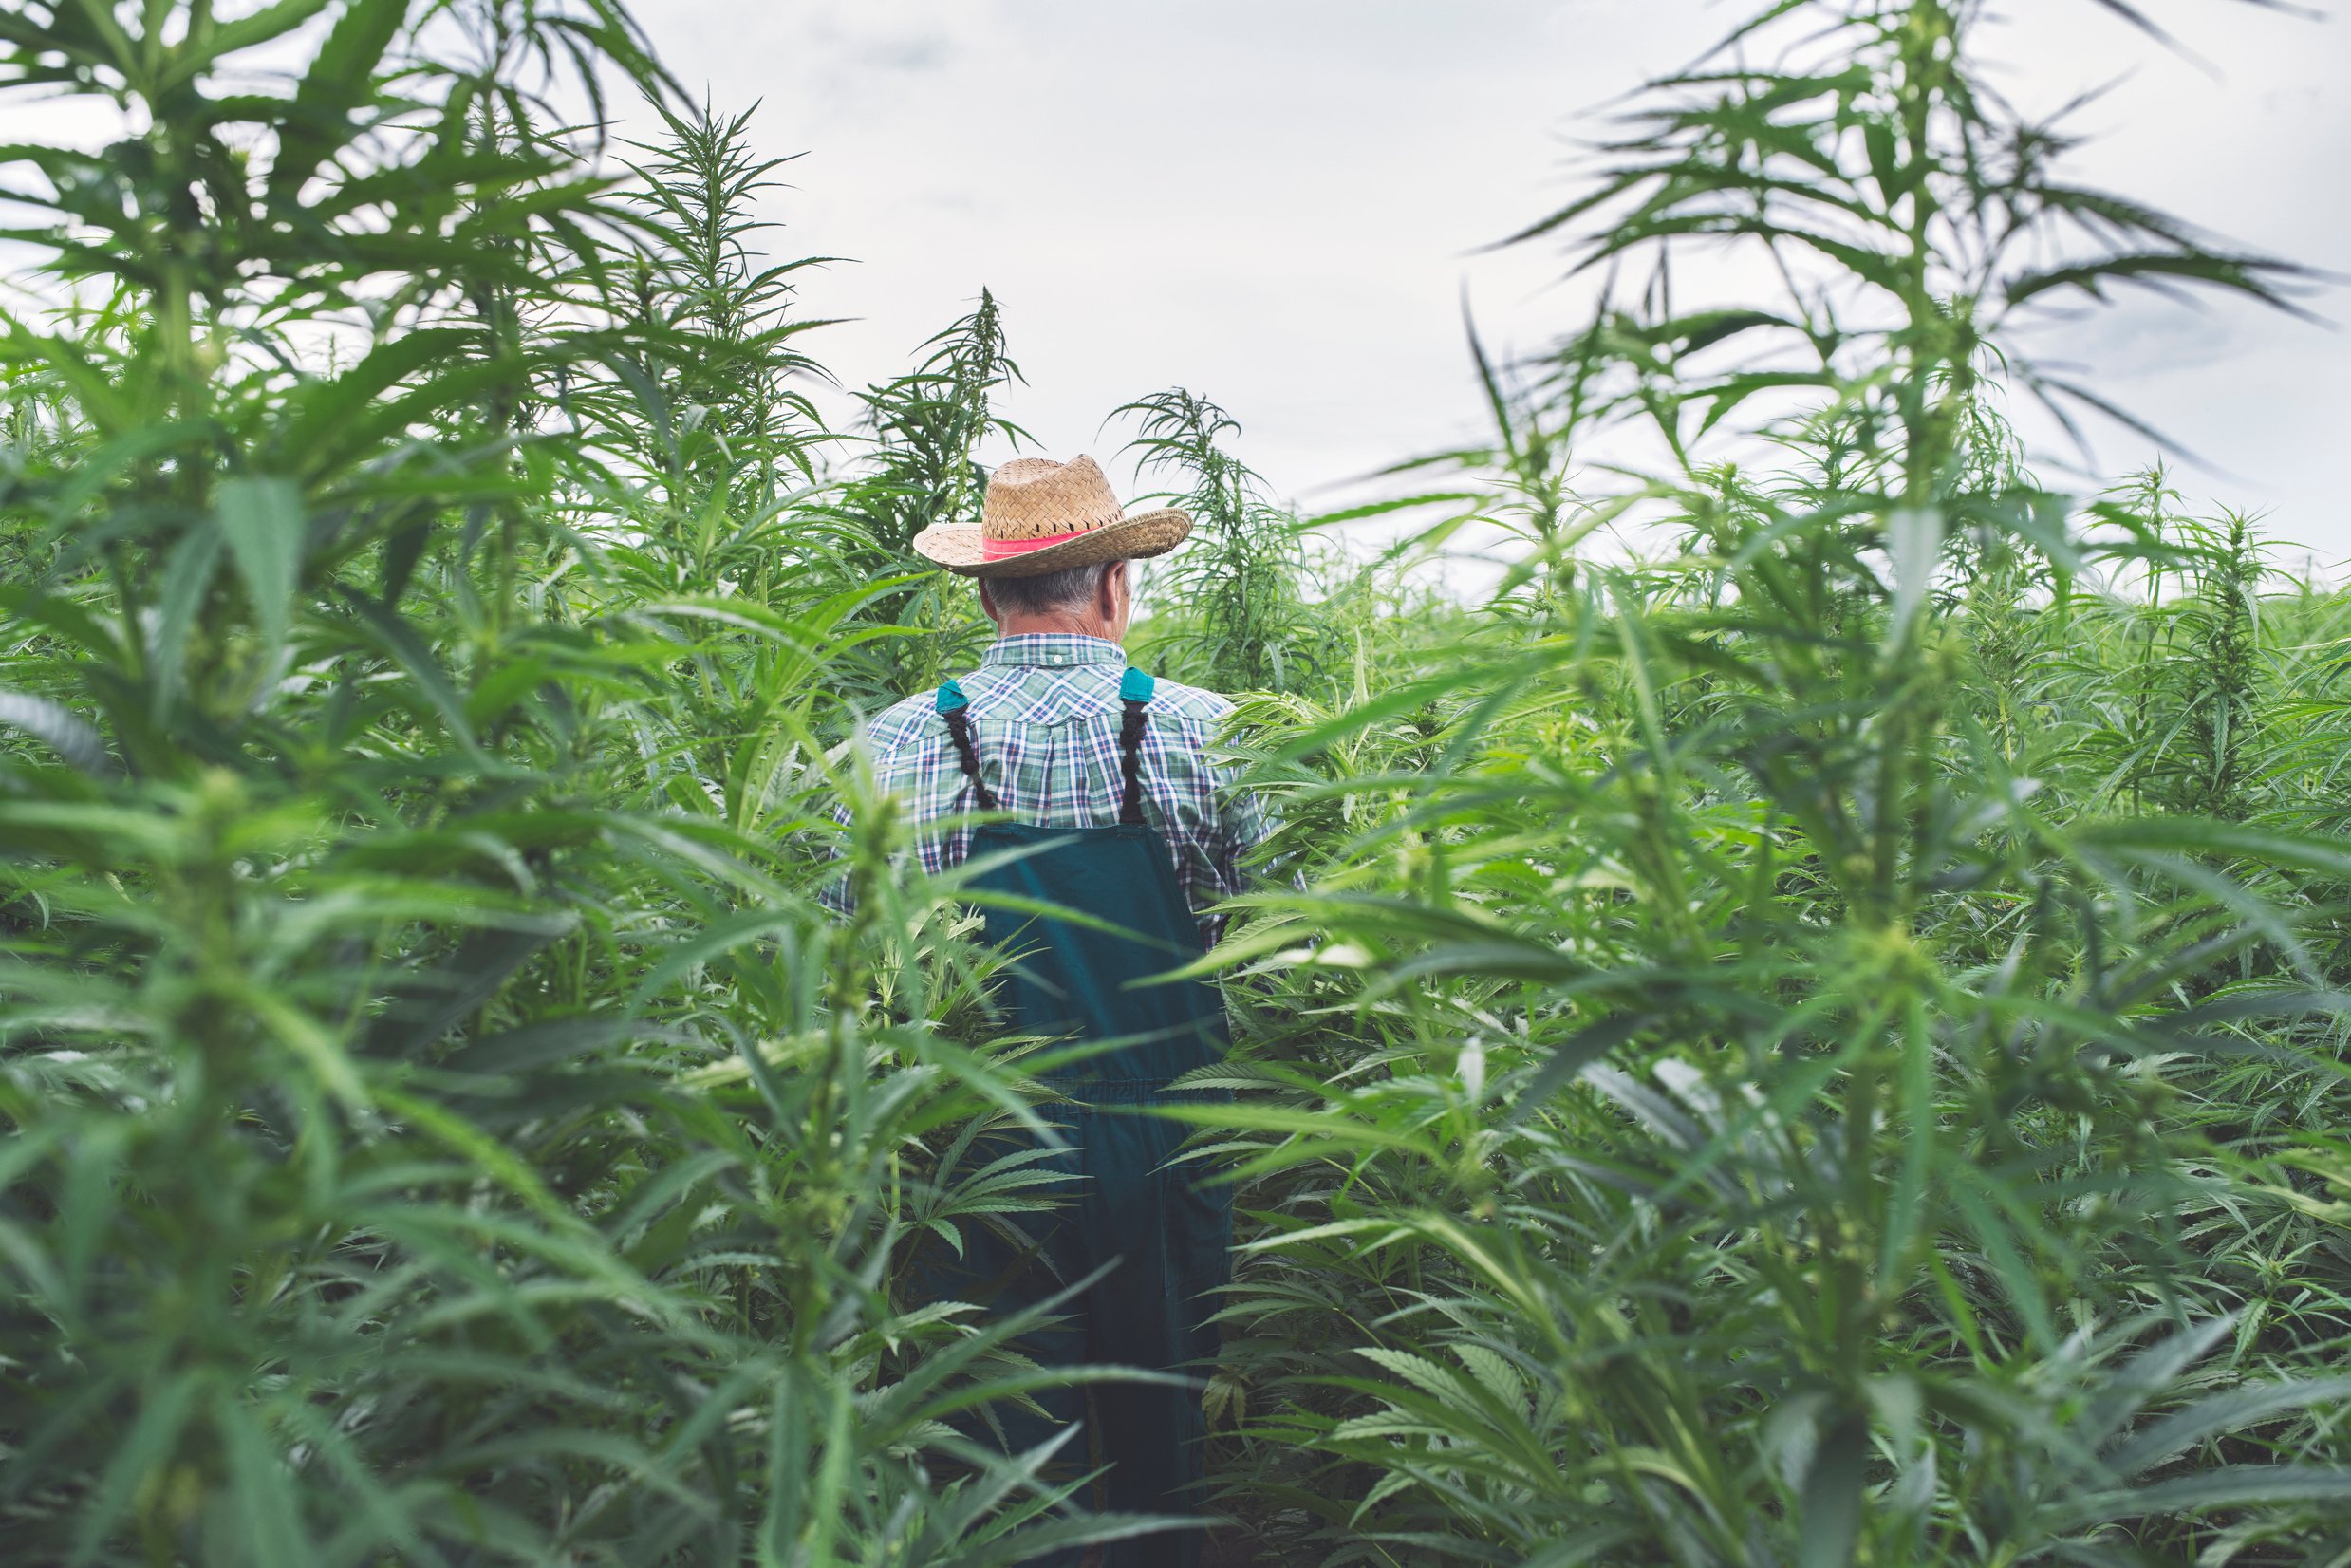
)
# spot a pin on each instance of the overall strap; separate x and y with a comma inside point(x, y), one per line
point(954, 708)
point(1134, 690)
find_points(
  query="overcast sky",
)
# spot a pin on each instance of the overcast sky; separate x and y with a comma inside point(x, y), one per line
point(1278, 203)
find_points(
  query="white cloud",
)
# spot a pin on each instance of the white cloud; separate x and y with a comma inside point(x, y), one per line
point(1278, 203)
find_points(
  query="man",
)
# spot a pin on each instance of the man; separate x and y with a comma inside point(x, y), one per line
point(1110, 808)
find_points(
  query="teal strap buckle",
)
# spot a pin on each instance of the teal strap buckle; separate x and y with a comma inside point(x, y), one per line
point(951, 697)
point(1134, 686)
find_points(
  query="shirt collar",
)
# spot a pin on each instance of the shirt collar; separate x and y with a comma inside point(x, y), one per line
point(1029, 650)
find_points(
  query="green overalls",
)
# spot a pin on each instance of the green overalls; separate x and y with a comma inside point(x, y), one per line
point(1165, 1231)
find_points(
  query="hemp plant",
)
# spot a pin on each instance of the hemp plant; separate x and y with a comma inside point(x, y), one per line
point(435, 1132)
point(1749, 1122)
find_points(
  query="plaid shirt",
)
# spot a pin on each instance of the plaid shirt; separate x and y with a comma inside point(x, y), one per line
point(1045, 720)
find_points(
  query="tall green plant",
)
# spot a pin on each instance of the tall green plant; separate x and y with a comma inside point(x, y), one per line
point(443, 1125)
point(1760, 1133)
point(925, 430)
point(927, 426)
point(1234, 594)
point(728, 413)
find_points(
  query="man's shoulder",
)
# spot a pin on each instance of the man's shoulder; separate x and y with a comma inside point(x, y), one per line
point(902, 722)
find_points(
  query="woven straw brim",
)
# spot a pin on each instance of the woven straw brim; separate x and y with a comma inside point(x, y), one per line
point(959, 548)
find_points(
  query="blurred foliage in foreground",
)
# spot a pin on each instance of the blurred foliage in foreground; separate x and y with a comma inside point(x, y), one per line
point(1820, 1047)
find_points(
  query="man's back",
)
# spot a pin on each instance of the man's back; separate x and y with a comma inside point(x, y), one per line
point(1045, 715)
point(1087, 887)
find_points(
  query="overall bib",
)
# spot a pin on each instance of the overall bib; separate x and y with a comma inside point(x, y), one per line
point(1167, 1235)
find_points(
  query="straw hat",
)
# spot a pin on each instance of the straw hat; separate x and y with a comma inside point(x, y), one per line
point(1042, 516)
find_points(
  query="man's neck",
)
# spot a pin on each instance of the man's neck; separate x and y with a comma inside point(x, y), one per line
point(1062, 626)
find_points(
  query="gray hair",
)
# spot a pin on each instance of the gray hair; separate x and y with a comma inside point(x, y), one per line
point(1048, 590)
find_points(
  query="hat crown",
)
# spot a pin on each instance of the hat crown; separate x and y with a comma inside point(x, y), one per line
point(1037, 498)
